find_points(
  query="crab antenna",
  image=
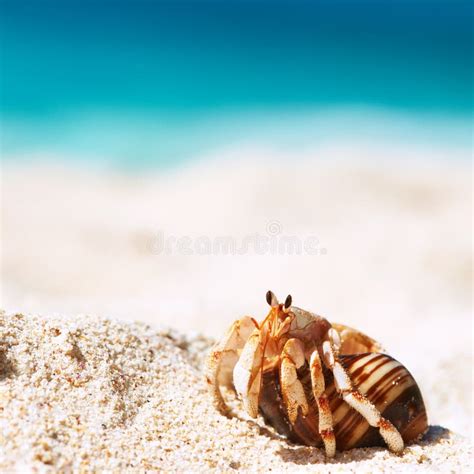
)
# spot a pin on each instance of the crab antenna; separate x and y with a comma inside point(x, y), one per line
point(271, 299)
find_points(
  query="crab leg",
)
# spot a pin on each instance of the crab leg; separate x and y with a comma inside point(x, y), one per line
point(224, 356)
point(325, 416)
point(248, 372)
point(292, 358)
point(354, 398)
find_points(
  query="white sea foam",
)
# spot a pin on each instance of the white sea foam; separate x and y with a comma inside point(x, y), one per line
point(140, 139)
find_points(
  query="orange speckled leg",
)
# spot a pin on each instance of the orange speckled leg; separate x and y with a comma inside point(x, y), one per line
point(292, 358)
point(325, 415)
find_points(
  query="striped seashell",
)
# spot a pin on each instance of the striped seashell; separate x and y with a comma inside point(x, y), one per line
point(383, 380)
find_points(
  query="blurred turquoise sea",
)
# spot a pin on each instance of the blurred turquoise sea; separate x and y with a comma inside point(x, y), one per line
point(148, 83)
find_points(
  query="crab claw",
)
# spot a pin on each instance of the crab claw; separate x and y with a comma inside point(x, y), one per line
point(248, 373)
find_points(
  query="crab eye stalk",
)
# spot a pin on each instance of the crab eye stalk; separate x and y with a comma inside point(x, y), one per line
point(271, 299)
point(286, 306)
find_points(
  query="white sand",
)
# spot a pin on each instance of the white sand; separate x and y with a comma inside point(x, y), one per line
point(395, 261)
point(88, 394)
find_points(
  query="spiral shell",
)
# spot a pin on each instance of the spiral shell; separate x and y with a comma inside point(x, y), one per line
point(383, 380)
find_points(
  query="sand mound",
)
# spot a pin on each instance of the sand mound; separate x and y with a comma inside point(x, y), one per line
point(89, 394)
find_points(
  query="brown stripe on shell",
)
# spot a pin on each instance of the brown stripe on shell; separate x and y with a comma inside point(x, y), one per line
point(384, 381)
point(352, 430)
point(365, 360)
point(361, 366)
point(375, 378)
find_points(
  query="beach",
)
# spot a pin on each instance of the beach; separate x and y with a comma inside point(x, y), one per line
point(176, 256)
point(94, 395)
point(164, 164)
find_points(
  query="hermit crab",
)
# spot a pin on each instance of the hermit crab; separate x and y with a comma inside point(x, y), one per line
point(317, 383)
